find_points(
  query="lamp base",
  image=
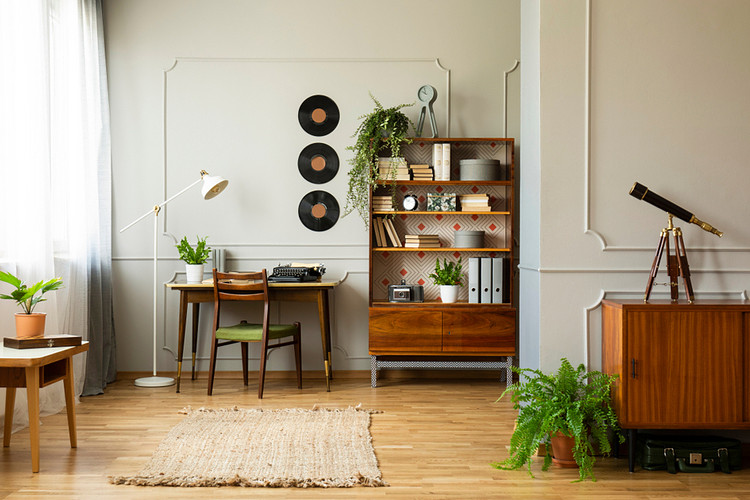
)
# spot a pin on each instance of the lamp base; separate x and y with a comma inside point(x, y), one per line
point(154, 381)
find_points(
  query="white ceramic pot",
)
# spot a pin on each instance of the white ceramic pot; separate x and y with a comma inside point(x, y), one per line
point(194, 273)
point(448, 293)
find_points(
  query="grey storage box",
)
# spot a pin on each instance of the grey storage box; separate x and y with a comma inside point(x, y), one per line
point(481, 170)
point(468, 239)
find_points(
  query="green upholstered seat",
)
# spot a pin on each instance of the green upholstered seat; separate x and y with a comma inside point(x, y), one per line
point(253, 332)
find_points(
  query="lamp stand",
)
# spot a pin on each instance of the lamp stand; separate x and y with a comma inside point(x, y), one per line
point(212, 186)
point(677, 264)
point(155, 381)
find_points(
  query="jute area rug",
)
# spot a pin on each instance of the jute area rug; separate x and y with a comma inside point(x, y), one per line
point(254, 447)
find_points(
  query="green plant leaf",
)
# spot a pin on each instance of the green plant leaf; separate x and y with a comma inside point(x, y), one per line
point(573, 401)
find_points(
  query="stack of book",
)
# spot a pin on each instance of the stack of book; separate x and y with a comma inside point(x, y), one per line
point(421, 241)
point(385, 232)
point(479, 202)
point(422, 173)
point(393, 169)
point(382, 204)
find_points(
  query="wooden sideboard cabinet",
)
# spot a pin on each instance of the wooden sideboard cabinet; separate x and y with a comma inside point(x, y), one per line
point(680, 365)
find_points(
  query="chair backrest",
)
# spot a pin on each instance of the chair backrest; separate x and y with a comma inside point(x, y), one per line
point(247, 286)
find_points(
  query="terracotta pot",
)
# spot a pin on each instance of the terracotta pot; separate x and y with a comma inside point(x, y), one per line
point(30, 325)
point(562, 450)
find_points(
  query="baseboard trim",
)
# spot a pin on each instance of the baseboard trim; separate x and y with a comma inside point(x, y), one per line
point(385, 374)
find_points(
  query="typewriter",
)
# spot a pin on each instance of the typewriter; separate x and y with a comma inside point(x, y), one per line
point(297, 273)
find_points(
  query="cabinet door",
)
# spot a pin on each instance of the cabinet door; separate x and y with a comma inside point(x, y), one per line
point(409, 330)
point(479, 331)
point(685, 368)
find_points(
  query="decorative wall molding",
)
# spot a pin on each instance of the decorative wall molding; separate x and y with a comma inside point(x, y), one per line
point(605, 247)
point(505, 96)
point(573, 270)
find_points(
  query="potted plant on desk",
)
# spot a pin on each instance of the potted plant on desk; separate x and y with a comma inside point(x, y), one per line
point(29, 323)
point(448, 277)
point(563, 409)
point(194, 258)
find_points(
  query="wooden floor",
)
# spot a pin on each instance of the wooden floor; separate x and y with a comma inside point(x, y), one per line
point(435, 437)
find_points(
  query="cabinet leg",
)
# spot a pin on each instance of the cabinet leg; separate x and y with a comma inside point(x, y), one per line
point(632, 435)
point(373, 371)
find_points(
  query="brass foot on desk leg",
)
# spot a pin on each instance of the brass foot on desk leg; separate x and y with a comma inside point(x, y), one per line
point(179, 373)
point(328, 376)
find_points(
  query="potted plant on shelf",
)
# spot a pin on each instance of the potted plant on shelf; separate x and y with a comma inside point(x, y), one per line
point(572, 404)
point(29, 323)
point(194, 258)
point(449, 278)
point(381, 128)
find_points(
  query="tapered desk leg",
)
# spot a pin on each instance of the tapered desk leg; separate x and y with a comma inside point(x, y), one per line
point(10, 403)
point(32, 393)
point(181, 334)
point(325, 333)
point(70, 402)
point(196, 316)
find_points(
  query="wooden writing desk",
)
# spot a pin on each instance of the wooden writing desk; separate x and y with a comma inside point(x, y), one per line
point(35, 368)
point(313, 291)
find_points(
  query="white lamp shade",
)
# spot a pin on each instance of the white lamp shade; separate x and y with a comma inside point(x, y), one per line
point(212, 186)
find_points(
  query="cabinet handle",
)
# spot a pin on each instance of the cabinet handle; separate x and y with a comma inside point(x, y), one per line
point(632, 367)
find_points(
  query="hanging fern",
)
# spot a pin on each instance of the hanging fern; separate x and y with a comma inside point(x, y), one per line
point(383, 128)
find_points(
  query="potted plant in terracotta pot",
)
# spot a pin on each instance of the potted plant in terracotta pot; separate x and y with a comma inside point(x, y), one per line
point(448, 277)
point(194, 257)
point(382, 128)
point(29, 323)
point(571, 406)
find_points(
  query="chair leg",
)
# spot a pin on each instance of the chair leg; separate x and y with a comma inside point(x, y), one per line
point(262, 372)
point(244, 361)
point(212, 368)
point(298, 355)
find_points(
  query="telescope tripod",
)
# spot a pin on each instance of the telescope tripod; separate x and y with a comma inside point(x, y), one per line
point(677, 264)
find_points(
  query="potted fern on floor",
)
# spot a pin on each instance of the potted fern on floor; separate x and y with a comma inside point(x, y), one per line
point(572, 403)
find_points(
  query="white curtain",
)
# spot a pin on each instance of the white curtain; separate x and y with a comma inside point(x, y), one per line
point(54, 164)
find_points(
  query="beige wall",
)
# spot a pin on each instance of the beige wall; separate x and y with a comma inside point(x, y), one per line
point(226, 109)
point(660, 99)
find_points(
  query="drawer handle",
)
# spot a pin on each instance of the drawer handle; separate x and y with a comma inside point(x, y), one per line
point(632, 367)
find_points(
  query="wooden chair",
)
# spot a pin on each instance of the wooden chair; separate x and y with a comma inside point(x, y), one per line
point(251, 286)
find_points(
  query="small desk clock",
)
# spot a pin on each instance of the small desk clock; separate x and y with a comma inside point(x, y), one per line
point(427, 95)
point(411, 202)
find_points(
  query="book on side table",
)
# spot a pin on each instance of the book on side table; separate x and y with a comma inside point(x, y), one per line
point(42, 341)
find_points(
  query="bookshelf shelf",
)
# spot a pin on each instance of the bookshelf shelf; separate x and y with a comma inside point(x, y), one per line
point(422, 212)
point(441, 249)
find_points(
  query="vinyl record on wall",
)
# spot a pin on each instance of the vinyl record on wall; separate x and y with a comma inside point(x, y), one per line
point(318, 210)
point(318, 163)
point(318, 115)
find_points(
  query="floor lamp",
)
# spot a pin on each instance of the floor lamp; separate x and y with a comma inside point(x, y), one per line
point(212, 186)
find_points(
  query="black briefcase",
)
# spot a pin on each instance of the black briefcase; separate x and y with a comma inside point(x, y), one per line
point(689, 453)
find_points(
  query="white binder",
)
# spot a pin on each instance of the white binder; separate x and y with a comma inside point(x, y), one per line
point(485, 280)
point(498, 280)
point(473, 280)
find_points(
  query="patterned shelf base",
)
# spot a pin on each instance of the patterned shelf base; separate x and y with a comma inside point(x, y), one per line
point(376, 364)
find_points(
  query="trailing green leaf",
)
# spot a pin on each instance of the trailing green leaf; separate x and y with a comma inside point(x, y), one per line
point(383, 128)
point(572, 401)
